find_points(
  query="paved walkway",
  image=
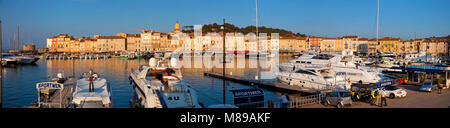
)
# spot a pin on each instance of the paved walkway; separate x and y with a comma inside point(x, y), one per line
point(414, 99)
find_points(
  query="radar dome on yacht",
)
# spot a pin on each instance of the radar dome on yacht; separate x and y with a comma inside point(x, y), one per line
point(173, 62)
point(152, 62)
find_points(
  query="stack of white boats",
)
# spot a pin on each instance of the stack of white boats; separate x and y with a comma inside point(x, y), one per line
point(326, 71)
point(101, 97)
point(160, 85)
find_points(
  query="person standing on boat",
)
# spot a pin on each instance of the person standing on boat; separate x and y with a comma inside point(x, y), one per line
point(91, 84)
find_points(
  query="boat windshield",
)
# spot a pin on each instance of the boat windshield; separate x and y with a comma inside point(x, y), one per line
point(305, 72)
point(323, 56)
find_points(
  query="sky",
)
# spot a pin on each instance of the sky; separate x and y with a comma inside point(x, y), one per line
point(40, 19)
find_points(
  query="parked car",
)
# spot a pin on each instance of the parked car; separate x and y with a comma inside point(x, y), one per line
point(393, 91)
point(338, 99)
point(428, 86)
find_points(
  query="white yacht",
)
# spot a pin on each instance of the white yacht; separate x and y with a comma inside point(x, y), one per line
point(388, 54)
point(387, 62)
point(316, 78)
point(101, 97)
point(18, 59)
point(8, 59)
point(337, 63)
point(159, 86)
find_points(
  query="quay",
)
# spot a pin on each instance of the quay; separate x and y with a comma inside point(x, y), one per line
point(270, 85)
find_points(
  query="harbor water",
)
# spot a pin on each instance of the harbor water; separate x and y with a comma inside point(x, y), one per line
point(19, 82)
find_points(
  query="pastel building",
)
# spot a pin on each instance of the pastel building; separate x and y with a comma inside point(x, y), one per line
point(389, 44)
point(145, 43)
point(114, 44)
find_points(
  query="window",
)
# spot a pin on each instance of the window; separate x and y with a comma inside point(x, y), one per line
point(333, 94)
point(345, 94)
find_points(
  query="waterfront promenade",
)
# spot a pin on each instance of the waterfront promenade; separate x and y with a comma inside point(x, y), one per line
point(414, 99)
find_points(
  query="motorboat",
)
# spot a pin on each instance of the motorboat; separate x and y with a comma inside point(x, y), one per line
point(138, 55)
point(131, 55)
point(388, 54)
point(364, 61)
point(123, 55)
point(319, 78)
point(58, 78)
point(387, 62)
point(8, 59)
point(100, 97)
point(18, 59)
point(263, 55)
point(253, 54)
point(160, 85)
point(337, 63)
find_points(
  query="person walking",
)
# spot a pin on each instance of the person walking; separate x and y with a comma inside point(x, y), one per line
point(91, 84)
point(284, 101)
point(372, 97)
point(383, 99)
point(441, 86)
point(352, 93)
point(378, 95)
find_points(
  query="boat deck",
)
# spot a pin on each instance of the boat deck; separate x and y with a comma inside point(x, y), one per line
point(63, 101)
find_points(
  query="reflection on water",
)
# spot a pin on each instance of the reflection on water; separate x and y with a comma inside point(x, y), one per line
point(19, 82)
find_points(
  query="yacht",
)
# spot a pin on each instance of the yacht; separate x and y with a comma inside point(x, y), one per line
point(388, 54)
point(58, 78)
point(337, 63)
point(15, 59)
point(159, 86)
point(387, 62)
point(101, 97)
point(8, 59)
point(319, 78)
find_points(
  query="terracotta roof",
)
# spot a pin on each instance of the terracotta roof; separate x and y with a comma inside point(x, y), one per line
point(110, 37)
point(389, 39)
point(364, 39)
point(350, 36)
point(134, 35)
point(290, 37)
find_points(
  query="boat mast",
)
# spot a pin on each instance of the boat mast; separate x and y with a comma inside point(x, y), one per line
point(18, 39)
point(378, 18)
point(1, 65)
point(223, 67)
point(256, 18)
point(257, 25)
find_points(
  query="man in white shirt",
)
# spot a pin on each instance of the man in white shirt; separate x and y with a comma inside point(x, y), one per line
point(383, 98)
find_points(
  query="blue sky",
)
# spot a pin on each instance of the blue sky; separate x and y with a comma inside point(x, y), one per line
point(40, 19)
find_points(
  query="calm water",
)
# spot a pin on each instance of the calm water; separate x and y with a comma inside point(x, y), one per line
point(19, 83)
